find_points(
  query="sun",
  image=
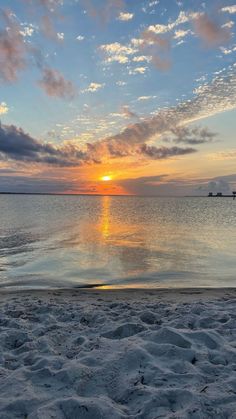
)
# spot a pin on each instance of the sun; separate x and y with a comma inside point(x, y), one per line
point(106, 178)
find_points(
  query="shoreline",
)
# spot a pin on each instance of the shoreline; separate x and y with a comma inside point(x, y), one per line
point(196, 292)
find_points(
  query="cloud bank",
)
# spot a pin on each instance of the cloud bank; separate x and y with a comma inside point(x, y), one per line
point(168, 125)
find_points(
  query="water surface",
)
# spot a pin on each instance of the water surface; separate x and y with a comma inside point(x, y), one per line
point(54, 241)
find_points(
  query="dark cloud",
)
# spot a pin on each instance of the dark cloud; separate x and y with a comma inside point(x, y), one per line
point(192, 136)
point(15, 144)
point(159, 153)
point(54, 84)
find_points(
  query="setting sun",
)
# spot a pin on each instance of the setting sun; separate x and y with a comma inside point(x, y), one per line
point(106, 178)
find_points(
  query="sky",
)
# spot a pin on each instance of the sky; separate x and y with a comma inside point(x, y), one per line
point(118, 96)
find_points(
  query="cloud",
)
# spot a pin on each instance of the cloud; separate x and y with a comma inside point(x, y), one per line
point(3, 108)
point(214, 186)
point(36, 184)
point(47, 27)
point(159, 153)
point(227, 51)
point(157, 48)
point(180, 33)
point(194, 136)
point(80, 38)
point(224, 155)
point(60, 36)
point(13, 49)
point(138, 70)
point(210, 32)
point(17, 145)
point(127, 113)
point(141, 58)
point(50, 5)
point(125, 16)
point(105, 11)
point(213, 98)
point(146, 97)
point(27, 30)
point(229, 9)
point(55, 85)
point(121, 83)
point(117, 52)
point(164, 185)
point(94, 87)
point(228, 24)
point(183, 17)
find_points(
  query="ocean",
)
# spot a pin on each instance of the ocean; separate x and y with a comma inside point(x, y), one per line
point(49, 241)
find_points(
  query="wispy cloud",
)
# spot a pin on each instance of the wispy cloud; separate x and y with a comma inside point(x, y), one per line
point(54, 84)
point(146, 97)
point(50, 5)
point(13, 48)
point(105, 10)
point(210, 32)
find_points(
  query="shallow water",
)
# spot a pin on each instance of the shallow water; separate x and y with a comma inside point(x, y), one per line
point(51, 241)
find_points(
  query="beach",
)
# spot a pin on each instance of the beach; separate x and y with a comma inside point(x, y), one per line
point(126, 353)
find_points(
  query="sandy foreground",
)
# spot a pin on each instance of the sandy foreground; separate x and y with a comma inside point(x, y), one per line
point(118, 354)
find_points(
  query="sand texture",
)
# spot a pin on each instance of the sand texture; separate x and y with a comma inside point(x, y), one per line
point(118, 354)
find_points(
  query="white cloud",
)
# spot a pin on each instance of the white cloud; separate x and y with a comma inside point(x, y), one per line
point(117, 52)
point(60, 36)
point(117, 48)
point(180, 33)
point(80, 38)
point(146, 97)
point(121, 83)
point(138, 70)
point(28, 30)
point(141, 58)
point(125, 16)
point(93, 87)
point(3, 108)
point(227, 51)
point(182, 18)
point(229, 9)
point(228, 24)
point(121, 59)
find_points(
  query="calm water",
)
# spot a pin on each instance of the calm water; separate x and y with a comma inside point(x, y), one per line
point(48, 241)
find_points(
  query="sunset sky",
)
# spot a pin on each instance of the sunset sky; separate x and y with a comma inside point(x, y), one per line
point(118, 97)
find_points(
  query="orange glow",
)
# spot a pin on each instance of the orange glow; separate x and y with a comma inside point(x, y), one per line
point(106, 178)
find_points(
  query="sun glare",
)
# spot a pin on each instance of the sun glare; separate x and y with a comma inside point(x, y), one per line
point(106, 178)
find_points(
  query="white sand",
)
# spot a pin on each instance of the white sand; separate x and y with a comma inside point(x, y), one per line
point(118, 354)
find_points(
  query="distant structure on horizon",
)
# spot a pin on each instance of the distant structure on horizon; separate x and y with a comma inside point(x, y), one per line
point(220, 194)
